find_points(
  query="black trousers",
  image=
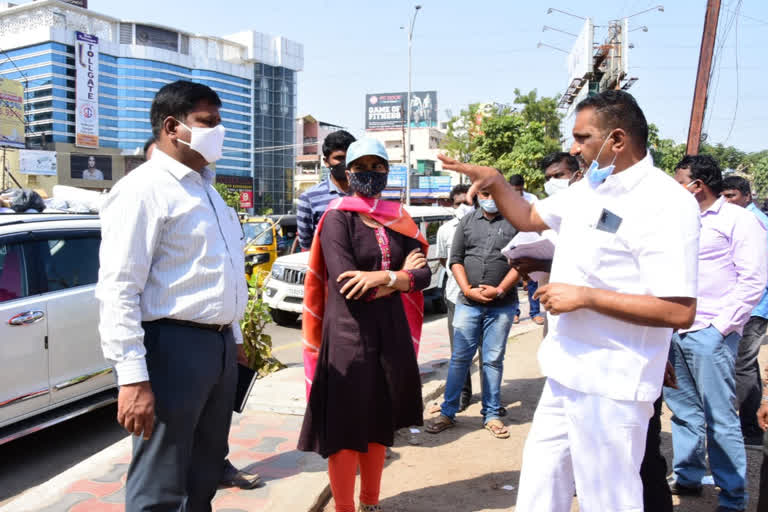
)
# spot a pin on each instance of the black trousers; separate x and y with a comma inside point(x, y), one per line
point(749, 386)
point(762, 500)
point(451, 307)
point(653, 471)
point(193, 375)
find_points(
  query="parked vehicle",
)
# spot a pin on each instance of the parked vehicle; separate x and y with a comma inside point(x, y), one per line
point(52, 367)
point(284, 289)
point(287, 239)
point(261, 246)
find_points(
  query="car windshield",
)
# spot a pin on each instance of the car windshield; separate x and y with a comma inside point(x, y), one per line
point(260, 231)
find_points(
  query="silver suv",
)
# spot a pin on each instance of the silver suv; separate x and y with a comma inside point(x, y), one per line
point(51, 368)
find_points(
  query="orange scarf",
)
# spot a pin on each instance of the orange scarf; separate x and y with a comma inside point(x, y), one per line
point(387, 213)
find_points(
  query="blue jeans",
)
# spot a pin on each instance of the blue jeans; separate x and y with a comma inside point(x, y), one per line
point(704, 414)
point(474, 326)
point(535, 309)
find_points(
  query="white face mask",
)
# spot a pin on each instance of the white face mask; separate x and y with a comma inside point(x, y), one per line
point(462, 210)
point(555, 185)
point(209, 142)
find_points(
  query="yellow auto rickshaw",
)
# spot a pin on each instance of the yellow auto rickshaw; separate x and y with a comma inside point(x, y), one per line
point(260, 235)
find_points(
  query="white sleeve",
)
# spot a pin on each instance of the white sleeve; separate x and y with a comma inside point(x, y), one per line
point(667, 251)
point(130, 227)
point(442, 242)
point(553, 208)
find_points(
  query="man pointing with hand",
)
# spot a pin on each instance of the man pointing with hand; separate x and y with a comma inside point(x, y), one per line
point(623, 276)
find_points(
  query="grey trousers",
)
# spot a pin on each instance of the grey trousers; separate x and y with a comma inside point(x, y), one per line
point(749, 387)
point(193, 375)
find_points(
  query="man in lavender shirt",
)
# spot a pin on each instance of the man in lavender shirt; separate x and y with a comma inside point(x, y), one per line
point(732, 278)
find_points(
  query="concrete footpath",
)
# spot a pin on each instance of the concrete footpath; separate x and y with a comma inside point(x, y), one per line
point(262, 440)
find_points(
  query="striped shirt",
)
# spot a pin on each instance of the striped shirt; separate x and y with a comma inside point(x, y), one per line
point(171, 248)
point(311, 206)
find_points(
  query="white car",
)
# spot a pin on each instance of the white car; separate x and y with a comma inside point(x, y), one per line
point(52, 367)
point(284, 289)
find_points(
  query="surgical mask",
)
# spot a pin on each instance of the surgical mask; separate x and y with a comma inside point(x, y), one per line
point(462, 210)
point(339, 171)
point(368, 183)
point(209, 142)
point(596, 175)
point(555, 185)
point(489, 205)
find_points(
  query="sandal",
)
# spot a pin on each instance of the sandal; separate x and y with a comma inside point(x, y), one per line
point(497, 429)
point(439, 424)
point(368, 508)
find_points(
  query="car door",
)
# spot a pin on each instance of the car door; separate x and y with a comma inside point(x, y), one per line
point(71, 266)
point(24, 385)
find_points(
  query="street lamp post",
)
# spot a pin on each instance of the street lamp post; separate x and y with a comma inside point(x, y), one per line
point(408, 110)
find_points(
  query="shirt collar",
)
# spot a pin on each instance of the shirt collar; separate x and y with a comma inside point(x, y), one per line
point(178, 169)
point(479, 215)
point(714, 208)
point(631, 176)
point(332, 187)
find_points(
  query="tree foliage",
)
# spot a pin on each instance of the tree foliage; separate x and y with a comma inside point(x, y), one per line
point(512, 140)
point(230, 197)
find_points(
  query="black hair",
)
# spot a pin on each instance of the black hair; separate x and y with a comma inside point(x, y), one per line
point(457, 191)
point(150, 141)
point(618, 109)
point(517, 180)
point(737, 183)
point(705, 169)
point(337, 141)
point(178, 99)
point(556, 158)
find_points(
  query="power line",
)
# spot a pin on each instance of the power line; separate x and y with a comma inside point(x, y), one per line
point(736, 50)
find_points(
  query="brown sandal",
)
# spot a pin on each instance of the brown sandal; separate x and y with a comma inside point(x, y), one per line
point(439, 424)
point(497, 429)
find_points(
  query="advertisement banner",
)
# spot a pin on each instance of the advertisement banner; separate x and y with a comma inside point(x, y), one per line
point(246, 199)
point(396, 177)
point(580, 57)
point(87, 91)
point(90, 167)
point(435, 183)
point(388, 111)
point(42, 163)
point(11, 113)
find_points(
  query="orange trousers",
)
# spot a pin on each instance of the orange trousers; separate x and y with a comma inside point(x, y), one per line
point(342, 469)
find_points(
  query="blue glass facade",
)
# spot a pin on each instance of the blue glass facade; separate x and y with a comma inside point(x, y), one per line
point(258, 113)
point(273, 137)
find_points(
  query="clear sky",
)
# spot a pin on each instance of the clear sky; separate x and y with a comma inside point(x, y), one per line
point(481, 50)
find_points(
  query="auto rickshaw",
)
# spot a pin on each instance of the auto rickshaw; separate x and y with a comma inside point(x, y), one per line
point(261, 235)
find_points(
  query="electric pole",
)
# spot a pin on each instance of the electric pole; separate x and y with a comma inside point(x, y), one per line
point(708, 37)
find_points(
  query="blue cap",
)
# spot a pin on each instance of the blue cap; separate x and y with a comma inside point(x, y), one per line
point(365, 147)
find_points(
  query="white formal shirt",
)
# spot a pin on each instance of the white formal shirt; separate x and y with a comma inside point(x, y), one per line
point(444, 241)
point(652, 251)
point(171, 248)
point(529, 197)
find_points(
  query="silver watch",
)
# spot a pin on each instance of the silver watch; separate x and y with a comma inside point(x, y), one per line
point(392, 279)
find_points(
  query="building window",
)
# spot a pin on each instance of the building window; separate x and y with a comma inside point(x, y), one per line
point(185, 44)
point(126, 33)
point(157, 38)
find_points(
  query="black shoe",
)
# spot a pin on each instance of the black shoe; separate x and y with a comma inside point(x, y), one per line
point(683, 490)
point(233, 477)
point(464, 400)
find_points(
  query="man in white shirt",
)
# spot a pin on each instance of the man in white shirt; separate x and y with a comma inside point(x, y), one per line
point(518, 184)
point(92, 173)
point(458, 198)
point(172, 293)
point(623, 276)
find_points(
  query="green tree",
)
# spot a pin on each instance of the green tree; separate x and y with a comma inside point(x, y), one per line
point(513, 141)
point(230, 197)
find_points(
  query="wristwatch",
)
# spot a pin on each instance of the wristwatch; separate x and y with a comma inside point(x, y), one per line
point(392, 279)
point(500, 292)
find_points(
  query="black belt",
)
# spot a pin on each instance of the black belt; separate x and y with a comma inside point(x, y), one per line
point(185, 323)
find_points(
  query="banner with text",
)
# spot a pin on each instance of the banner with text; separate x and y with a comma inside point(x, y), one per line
point(388, 111)
point(87, 91)
point(11, 113)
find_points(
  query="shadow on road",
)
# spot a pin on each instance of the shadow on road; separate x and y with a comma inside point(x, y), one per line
point(38, 457)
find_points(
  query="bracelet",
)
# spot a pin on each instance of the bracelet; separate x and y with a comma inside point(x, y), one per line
point(764, 399)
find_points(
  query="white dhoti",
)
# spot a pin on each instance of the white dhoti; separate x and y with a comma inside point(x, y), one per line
point(590, 441)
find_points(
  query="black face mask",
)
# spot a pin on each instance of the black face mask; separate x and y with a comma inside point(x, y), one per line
point(339, 171)
point(368, 183)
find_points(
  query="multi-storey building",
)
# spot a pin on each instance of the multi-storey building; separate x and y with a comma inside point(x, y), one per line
point(253, 73)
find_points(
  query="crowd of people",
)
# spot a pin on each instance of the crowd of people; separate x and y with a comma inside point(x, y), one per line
point(656, 291)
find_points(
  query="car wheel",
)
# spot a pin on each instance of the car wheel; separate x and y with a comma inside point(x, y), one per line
point(284, 318)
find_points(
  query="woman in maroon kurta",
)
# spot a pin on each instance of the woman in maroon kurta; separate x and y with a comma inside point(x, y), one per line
point(367, 381)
